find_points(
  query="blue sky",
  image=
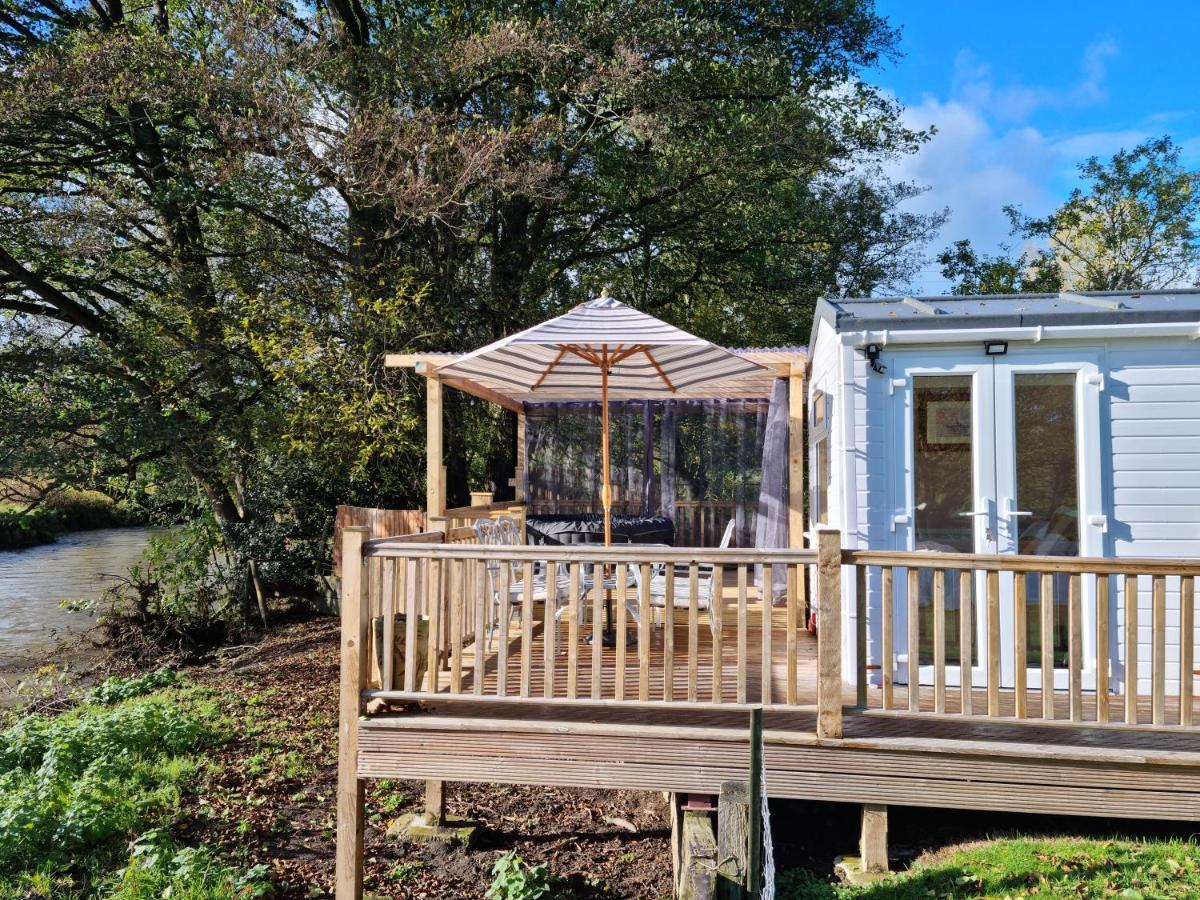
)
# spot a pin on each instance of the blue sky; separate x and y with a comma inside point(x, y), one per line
point(1022, 92)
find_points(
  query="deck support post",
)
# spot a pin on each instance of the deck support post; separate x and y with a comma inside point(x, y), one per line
point(873, 842)
point(796, 457)
point(352, 682)
point(435, 506)
point(733, 840)
point(829, 633)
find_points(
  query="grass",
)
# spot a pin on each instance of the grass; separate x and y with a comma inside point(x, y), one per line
point(1027, 867)
point(88, 798)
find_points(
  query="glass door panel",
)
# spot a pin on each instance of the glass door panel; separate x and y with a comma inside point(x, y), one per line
point(1046, 518)
point(944, 462)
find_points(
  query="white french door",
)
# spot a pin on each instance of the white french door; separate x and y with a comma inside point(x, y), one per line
point(1000, 454)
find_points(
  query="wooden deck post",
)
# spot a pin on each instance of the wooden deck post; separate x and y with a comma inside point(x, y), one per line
point(435, 487)
point(353, 680)
point(873, 844)
point(829, 633)
point(519, 474)
point(435, 506)
point(796, 457)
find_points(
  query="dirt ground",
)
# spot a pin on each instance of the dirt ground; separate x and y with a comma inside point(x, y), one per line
point(272, 798)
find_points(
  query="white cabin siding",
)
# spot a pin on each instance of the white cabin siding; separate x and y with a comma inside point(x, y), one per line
point(1153, 403)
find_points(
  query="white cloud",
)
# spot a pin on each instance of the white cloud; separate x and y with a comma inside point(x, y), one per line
point(986, 154)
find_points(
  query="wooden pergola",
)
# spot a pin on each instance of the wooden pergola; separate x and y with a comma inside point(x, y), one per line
point(790, 363)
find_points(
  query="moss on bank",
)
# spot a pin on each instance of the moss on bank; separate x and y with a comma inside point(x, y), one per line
point(68, 511)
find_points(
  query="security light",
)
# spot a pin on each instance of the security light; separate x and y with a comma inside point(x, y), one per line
point(995, 348)
point(872, 352)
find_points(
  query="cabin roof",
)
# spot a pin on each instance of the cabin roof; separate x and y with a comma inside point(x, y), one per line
point(1010, 310)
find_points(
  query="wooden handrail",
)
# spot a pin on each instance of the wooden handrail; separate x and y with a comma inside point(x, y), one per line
point(628, 553)
point(1081, 565)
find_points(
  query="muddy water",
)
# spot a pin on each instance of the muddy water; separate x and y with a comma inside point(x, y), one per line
point(75, 567)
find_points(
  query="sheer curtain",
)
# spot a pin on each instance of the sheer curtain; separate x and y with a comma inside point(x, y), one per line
point(699, 463)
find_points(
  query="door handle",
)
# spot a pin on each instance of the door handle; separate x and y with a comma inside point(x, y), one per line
point(979, 512)
point(1015, 512)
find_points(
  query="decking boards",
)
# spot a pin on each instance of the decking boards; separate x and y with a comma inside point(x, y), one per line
point(888, 759)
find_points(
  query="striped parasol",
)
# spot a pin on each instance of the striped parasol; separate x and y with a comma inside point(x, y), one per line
point(603, 344)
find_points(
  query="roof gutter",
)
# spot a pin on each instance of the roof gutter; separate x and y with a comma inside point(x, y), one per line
point(1032, 333)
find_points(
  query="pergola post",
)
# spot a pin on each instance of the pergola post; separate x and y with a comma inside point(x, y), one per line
point(796, 455)
point(435, 473)
point(435, 506)
point(519, 474)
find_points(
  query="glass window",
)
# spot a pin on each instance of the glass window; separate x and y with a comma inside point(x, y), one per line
point(943, 480)
point(1047, 520)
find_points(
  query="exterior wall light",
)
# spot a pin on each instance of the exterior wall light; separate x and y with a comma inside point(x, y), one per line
point(872, 353)
point(995, 348)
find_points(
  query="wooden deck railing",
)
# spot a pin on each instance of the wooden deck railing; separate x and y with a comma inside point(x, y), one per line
point(1034, 666)
point(449, 618)
point(443, 617)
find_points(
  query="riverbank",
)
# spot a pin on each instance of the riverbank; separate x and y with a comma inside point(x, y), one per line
point(69, 511)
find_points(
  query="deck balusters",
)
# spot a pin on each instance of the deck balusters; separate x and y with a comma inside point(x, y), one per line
point(1131, 648)
point(860, 615)
point(597, 628)
point(550, 629)
point(914, 639)
point(1075, 648)
point(573, 600)
point(387, 589)
point(939, 640)
point(620, 614)
point(966, 641)
point(1020, 646)
point(669, 634)
point(1102, 648)
point(743, 636)
point(1046, 638)
point(887, 629)
point(693, 648)
point(1187, 646)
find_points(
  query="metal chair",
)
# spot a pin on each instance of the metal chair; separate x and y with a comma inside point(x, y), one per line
point(705, 584)
point(503, 532)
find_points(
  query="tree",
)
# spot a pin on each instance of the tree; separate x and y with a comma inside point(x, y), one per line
point(1132, 227)
point(215, 216)
point(974, 273)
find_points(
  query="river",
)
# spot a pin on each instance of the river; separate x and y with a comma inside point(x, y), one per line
point(33, 581)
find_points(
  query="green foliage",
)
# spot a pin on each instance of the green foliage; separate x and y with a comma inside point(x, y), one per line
point(974, 273)
point(515, 879)
point(1019, 867)
point(1131, 227)
point(115, 689)
point(74, 789)
point(159, 868)
point(197, 298)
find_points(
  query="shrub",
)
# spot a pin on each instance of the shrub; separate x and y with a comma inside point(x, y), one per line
point(515, 879)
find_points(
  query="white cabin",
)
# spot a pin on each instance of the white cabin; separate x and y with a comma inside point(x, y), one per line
point(1039, 424)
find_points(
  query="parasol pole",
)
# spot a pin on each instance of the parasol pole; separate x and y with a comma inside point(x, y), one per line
point(605, 486)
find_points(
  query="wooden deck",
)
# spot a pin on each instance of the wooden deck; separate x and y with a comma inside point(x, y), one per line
point(538, 735)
